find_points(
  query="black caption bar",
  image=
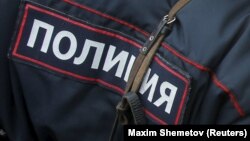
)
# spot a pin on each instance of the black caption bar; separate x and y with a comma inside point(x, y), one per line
point(197, 131)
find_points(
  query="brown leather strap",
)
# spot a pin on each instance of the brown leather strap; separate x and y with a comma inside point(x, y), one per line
point(143, 60)
point(145, 64)
point(180, 4)
point(134, 71)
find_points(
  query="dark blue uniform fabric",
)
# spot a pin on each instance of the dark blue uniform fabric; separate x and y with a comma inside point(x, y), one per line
point(209, 42)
